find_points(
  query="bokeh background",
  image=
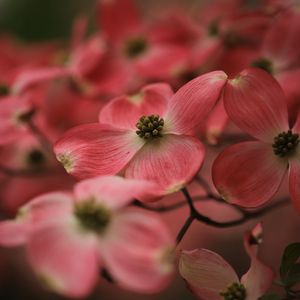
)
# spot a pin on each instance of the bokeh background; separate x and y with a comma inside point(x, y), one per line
point(44, 20)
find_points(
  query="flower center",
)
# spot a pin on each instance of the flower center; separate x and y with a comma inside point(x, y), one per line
point(135, 46)
point(285, 143)
point(264, 64)
point(236, 291)
point(150, 127)
point(92, 215)
point(35, 158)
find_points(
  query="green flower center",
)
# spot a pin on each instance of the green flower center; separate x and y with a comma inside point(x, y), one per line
point(92, 215)
point(135, 47)
point(236, 291)
point(285, 143)
point(150, 127)
point(264, 64)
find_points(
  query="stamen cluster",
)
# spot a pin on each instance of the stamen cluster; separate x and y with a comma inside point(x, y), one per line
point(92, 216)
point(236, 291)
point(135, 47)
point(150, 127)
point(285, 143)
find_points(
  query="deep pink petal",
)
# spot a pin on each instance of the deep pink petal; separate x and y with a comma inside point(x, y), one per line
point(248, 173)
point(137, 251)
point(94, 149)
point(192, 103)
point(65, 261)
point(259, 277)
point(103, 190)
point(125, 111)
point(32, 77)
point(206, 273)
point(170, 161)
point(118, 18)
point(294, 177)
point(256, 103)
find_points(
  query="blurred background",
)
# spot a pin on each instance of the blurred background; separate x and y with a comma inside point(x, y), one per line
point(36, 20)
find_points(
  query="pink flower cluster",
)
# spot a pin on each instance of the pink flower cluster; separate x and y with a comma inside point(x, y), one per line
point(121, 117)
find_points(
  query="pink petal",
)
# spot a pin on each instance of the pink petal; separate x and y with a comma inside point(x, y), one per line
point(259, 277)
point(256, 103)
point(206, 273)
point(13, 233)
point(170, 161)
point(118, 18)
point(248, 173)
point(103, 190)
point(125, 111)
point(192, 103)
point(137, 251)
point(66, 262)
point(29, 78)
point(93, 149)
point(294, 177)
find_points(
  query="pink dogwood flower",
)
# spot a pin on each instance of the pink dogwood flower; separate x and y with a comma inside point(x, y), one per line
point(210, 277)
point(146, 136)
point(69, 237)
point(250, 173)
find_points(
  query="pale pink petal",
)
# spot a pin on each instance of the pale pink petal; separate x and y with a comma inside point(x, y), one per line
point(248, 173)
point(118, 18)
point(137, 251)
point(170, 161)
point(13, 233)
point(93, 149)
point(294, 187)
point(32, 77)
point(206, 273)
point(192, 103)
point(66, 262)
point(256, 103)
point(259, 277)
point(113, 191)
point(125, 111)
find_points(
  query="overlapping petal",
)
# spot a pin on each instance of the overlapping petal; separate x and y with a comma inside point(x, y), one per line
point(192, 102)
point(248, 173)
point(125, 111)
point(171, 161)
point(138, 251)
point(65, 261)
point(93, 149)
point(294, 177)
point(256, 103)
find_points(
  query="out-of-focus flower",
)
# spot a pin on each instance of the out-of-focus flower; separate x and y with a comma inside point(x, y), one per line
point(250, 173)
point(210, 277)
point(70, 237)
point(149, 135)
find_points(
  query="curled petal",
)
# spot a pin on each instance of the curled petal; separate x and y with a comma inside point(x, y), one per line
point(259, 277)
point(103, 190)
point(170, 161)
point(66, 262)
point(192, 103)
point(256, 103)
point(13, 233)
point(125, 111)
point(93, 149)
point(206, 273)
point(248, 173)
point(137, 251)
